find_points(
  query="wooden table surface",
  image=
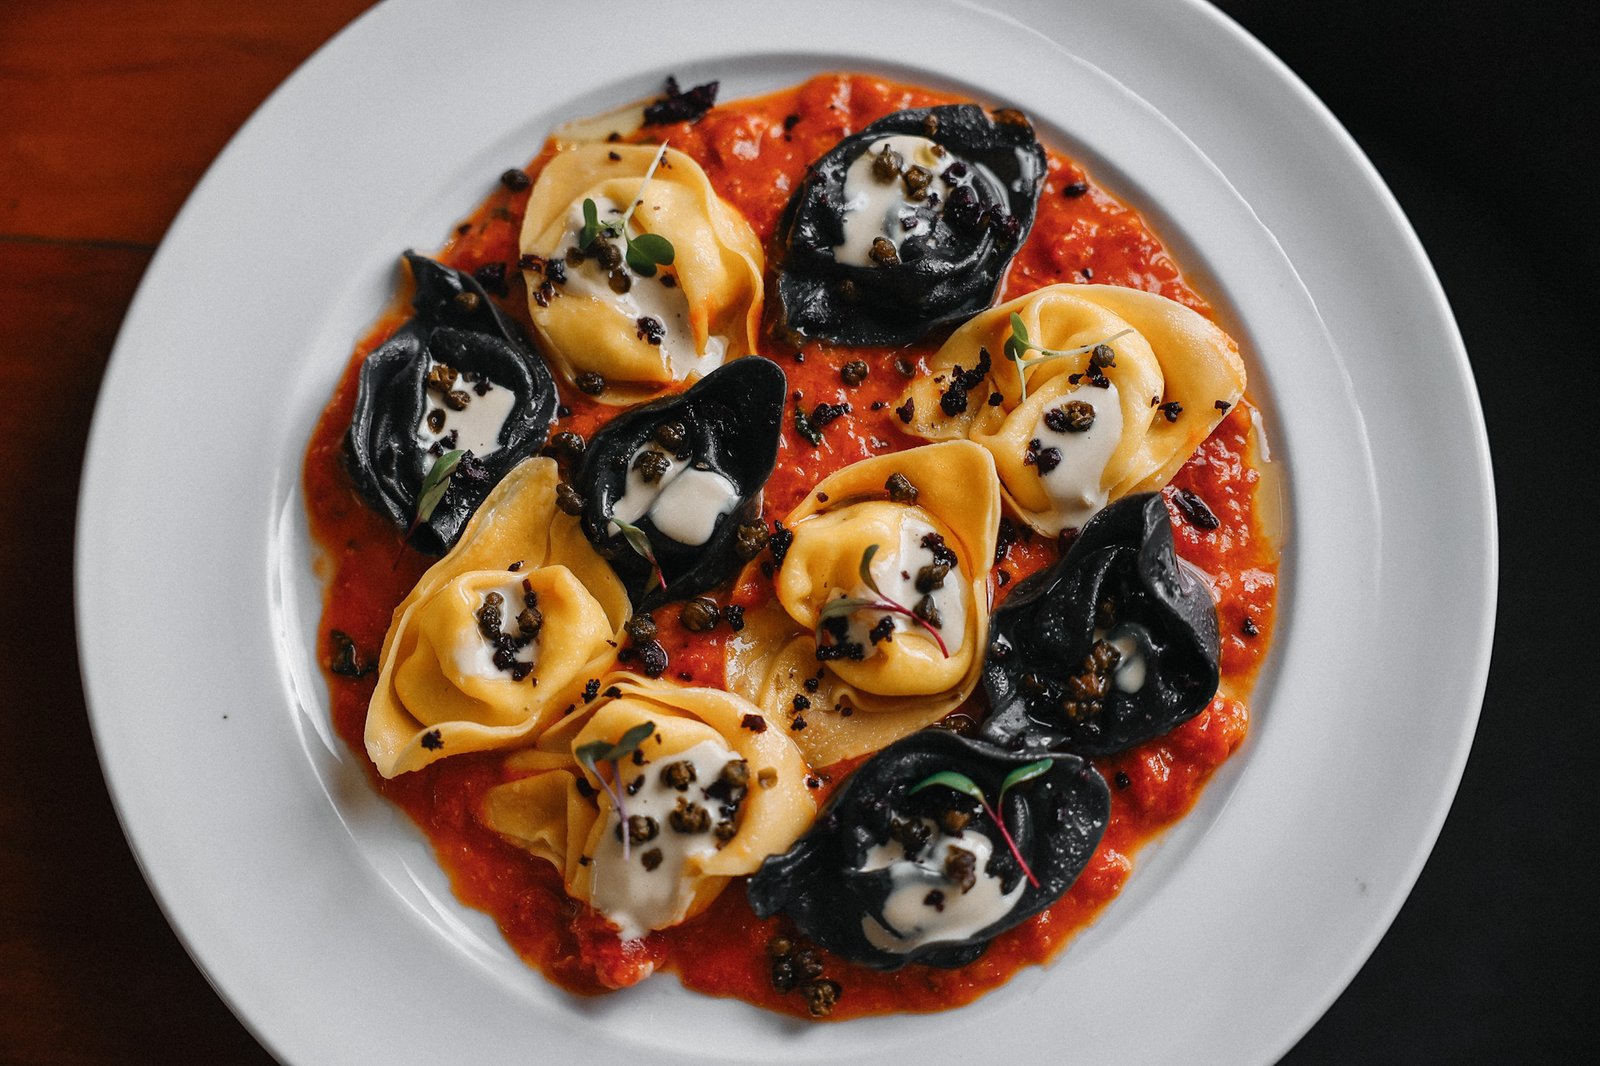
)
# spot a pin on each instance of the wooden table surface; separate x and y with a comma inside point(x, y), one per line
point(111, 111)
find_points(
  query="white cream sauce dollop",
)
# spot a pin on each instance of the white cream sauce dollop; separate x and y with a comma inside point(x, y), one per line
point(473, 653)
point(684, 504)
point(645, 298)
point(895, 568)
point(874, 208)
point(924, 907)
point(1074, 486)
point(477, 426)
point(637, 898)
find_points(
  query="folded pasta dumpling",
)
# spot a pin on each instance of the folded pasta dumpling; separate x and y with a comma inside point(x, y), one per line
point(651, 798)
point(882, 608)
point(499, 635)
point(1139, 382)
point(611, 317)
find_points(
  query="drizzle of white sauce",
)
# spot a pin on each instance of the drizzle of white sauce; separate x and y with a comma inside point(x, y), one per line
point(1130, 640)
point(874, 208)
point(645, 298)
point(637, 899)
point(910, 920)
point(1074, 486)
point(478, 425)
point(895, 568)
point(473, 654)
point(684, 504)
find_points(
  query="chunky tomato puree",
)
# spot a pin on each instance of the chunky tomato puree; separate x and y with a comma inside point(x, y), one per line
point(755, 153)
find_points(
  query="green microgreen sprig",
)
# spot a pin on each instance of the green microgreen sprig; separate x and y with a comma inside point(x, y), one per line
point(845, 606)
point(1019, 344)
point(592, 754)
point(960, 782)
point(642, 253)
point(435, 483)
point(639, 541)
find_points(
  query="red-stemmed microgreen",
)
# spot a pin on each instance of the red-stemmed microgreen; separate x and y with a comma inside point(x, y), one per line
point(643, 253)
point(592, 754)
point(845, 606)
point(1019, 344)
point(959, 782)
point(639, 541)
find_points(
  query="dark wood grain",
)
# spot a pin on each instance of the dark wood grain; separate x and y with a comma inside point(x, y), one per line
point(109, 114)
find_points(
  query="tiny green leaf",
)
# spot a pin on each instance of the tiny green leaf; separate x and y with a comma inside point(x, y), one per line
point(804, 427)
point(866, 569)
point(1019, 332)
point(632, 739)
point(654, 247)
point(591, 225)
point(638, 262)
point(1023, 774)
point(436, 483)
point(591, 754)
point(639, 541)
point(951, 779)
point(598, 751)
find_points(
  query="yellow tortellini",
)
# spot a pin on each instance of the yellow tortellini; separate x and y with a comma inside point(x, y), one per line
point(479, 656)
point(595, 314)
point(713, 792)
point(922, 524)
point(1174, 376)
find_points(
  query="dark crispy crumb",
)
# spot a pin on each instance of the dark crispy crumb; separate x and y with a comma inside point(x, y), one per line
point(653, 659)
point(821, 996)
point(1195, 510)
point(346, 660)
point(779, 542)
point(678, 774)
point(681, 106)
point(961, 869)
point(900, 489)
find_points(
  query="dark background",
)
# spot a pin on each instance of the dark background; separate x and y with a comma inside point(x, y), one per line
point(1480, 117)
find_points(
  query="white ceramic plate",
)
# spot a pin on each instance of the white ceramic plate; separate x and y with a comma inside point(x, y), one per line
point(319, 912)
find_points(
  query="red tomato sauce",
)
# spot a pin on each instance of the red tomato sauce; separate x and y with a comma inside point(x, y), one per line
point(755, 152)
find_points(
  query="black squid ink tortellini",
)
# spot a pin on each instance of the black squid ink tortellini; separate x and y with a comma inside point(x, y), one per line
point(907, 225)
point(459, 375)
point(667, 486)
point(891, 874)
point(1113, 645)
